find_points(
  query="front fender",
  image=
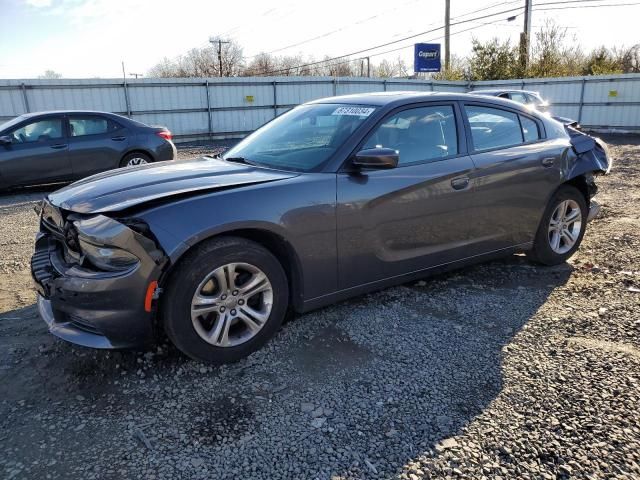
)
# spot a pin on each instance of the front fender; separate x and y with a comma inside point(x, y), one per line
point(299, 210)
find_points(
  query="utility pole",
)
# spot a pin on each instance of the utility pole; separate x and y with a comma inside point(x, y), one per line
point(525, 36)
point(219, 41)
point(447, 22)
point(368, 67)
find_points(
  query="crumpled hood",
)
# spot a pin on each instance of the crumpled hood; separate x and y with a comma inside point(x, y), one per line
point(127, 187)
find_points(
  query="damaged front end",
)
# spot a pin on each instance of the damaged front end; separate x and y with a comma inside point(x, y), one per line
point(96, 277)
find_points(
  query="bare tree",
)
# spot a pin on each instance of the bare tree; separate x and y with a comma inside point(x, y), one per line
point(628, 58)
point(385, 69)
point(202, 62)
point(50, 74)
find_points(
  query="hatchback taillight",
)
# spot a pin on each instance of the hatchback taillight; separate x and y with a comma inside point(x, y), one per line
point(166, 134)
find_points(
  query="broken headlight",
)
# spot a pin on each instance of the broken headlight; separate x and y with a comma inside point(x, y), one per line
point(106, 257)
point(103, 243)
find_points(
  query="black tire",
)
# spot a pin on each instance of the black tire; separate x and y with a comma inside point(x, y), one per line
point(175, 309)
point(133, 155)
point(542, 251)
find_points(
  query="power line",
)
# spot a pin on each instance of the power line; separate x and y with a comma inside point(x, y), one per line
point(332, 32)
point(350, 60)
point(393, 41)
point(360, 22)
point(585, 6)
point(287, 69)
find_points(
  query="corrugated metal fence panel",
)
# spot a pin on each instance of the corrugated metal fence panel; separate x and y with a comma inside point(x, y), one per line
point(243, 104)
point(240, 120)
point(178, 122)
point(169, 97)
point(106, 95)
point(291, 94)
point(11, 103)
point(241, 95)
point(454, 87)
point(349, 88)
point(605, 116)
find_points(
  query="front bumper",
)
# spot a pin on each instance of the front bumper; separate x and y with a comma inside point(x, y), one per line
point(90, 308)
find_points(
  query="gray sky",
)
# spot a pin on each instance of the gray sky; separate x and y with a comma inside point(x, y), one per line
point(89, 38)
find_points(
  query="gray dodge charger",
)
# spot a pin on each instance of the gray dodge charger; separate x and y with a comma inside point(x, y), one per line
point(335, 198)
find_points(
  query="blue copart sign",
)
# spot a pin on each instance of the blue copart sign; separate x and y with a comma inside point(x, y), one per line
point(427, 57)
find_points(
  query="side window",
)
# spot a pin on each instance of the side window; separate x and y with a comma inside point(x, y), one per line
point(39, 131)
point(493, 127)
point(81, 126)
point(530, 129)
point(519, 97)
point(418, 134)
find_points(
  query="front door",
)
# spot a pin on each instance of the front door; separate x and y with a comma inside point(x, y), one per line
point(37, 154)
point(415, 216)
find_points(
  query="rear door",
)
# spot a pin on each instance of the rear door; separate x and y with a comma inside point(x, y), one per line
point(96, 143)
point(396, 221)
point(37, 154)
point(517, 169)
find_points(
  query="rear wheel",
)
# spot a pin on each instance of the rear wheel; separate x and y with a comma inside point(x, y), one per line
point(562, 227)
point(225, 300)
point(135, 158)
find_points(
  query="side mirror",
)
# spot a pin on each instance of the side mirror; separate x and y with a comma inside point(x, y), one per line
point(5, 140)
point(376, 158)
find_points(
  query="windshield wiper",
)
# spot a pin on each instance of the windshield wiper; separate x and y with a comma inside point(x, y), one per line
point(238, 160)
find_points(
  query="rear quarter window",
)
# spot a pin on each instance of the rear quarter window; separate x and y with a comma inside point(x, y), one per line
point(530, 129)
point(493, 127)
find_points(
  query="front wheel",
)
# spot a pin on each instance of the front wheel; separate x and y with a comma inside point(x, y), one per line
point(225, 300)
point(562, 227)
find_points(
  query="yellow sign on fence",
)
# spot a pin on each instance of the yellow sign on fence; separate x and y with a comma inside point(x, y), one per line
point(613, 93)
point(248, 98)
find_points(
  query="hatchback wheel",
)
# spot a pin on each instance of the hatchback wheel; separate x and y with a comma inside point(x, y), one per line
point(135, 158)
point(225, 300)
point(562, 227)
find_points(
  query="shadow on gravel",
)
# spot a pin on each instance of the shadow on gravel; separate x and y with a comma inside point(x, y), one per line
point(356, 390)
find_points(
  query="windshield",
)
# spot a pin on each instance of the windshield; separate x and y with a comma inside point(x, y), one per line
point(302, 139)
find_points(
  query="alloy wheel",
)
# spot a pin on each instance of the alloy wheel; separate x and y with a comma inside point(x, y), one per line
point(231, 304)
point(136, 161)
point(564, 226)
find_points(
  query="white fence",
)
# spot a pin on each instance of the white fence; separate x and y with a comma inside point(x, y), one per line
point(225, 107)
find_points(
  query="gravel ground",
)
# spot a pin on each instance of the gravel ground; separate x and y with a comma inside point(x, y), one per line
point(503, 370)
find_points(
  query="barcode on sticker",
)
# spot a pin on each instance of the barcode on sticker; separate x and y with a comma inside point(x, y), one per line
point(357, 111)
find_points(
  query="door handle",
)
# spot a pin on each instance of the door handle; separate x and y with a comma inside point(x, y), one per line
point(118, 139)
point(548, 162)
point(59, 146)
point(460, 183)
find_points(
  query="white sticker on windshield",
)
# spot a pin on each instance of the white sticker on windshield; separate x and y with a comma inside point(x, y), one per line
point(356, 111)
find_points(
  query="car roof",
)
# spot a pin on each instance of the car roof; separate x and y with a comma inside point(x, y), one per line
point(73, 112)
point(394, 99)
point(497, 91)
